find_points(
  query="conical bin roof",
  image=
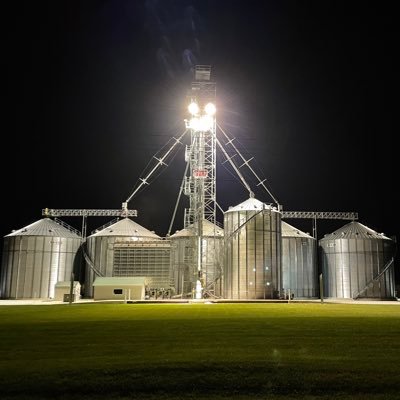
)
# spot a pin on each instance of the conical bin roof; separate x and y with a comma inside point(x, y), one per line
point(126, 227)
point(45, 227)
point(355, 230)
point(290, 231)
point(251, 204)
point(209, 229)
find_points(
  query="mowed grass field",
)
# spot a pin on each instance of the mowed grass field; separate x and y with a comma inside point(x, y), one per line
point(200, 351)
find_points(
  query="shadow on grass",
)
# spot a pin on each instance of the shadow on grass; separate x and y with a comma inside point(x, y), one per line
point(208, 381)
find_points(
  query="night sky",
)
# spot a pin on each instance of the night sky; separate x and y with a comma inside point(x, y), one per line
point(94, 89)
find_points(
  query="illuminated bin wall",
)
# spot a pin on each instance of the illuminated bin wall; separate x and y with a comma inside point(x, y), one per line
point(356, 263)
point(253, 239)
point(127, 249)
point(36, 257)
point(299, 267)
point(184, 260)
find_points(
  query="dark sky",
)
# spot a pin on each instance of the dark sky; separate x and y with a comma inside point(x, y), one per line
point(96, 88)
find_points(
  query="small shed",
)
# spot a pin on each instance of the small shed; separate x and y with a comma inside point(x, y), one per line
point(62, 290)
point(119, 288)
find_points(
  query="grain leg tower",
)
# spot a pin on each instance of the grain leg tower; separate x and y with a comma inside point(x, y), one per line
point(200, 184)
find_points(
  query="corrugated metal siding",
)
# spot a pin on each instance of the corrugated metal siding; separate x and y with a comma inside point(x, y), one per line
point(352, 258)
point(101, 244)
point(184, 263)
point(299, 267)
point(252, 252)
point(31, 266)
point(112, 255)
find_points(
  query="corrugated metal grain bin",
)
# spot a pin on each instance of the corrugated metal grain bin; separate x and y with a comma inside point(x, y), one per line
point(36, 257)
point(357, 262)
point(127, 249)
point(253, 240)
point(299, 268)
point(184, 259)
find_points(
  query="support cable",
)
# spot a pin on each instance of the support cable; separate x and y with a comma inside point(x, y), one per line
point(178, 199)
point(375, 278)
point(144, 181)
point(89, 260)
point(229, 159)
point(246, 162)
point(245, 222)
point(220, 208)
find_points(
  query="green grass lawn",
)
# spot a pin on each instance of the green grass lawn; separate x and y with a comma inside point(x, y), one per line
point(200, 351)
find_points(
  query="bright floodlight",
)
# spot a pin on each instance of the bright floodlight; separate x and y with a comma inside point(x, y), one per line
point(206, 123)
point(194, 124)
point(210, 109)
point(193, 108)
point(202, 124)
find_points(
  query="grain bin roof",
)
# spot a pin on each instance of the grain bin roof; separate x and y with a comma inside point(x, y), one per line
point(126, 227)
point(355, 230)
point(209, 229)
point(44, 227)
point(250, 204)
point(290, 231)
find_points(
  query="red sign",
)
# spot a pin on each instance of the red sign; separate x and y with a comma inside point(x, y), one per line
point(200, 173)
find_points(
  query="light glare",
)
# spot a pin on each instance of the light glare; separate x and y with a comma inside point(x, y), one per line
point(210, 109)
point(206, 123)
point(194, 124)
point(202, 124)
point(193, 108)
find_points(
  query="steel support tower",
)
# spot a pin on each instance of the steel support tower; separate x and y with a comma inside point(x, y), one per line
point(200, 184)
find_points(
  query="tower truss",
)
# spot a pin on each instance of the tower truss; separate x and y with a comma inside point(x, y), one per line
point(200, 184)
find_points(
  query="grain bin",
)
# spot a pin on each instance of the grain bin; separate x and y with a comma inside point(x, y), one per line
point(127, 249)
point(357, 262)
point(36, 257)
point(184, 260)
point(253, 239)
point(299, 268)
